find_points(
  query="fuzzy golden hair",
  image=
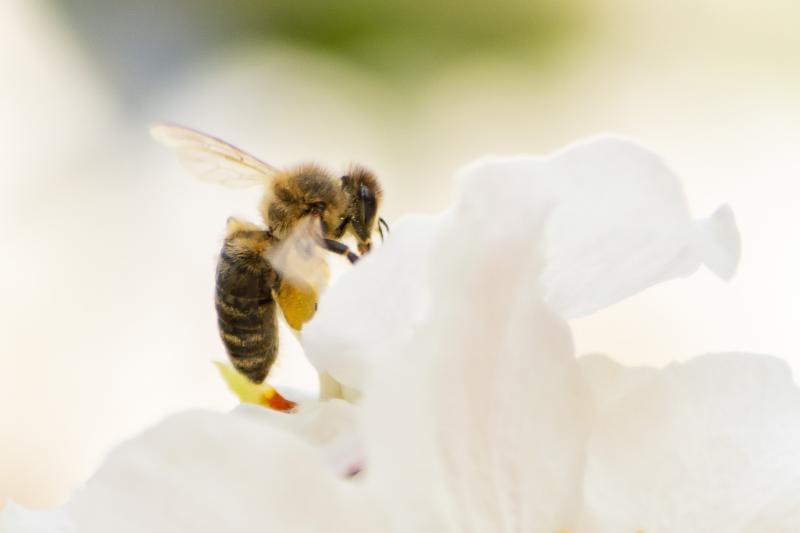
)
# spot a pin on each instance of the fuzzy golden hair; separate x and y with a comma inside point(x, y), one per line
point(298, 191)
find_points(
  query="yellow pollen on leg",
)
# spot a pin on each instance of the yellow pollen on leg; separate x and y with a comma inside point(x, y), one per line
point(249, 392)
point(273, 400)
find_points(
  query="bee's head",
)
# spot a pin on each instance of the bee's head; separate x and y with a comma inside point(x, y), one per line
point(363, 193)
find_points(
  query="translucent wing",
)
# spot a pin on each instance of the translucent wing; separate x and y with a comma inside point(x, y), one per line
point(211, 159)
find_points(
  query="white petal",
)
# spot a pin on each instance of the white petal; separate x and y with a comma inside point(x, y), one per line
point(708, 445)
point(16, 519)
point(329, 426)
point(717, 242)
point(209, 472)
point(378, 302)
point(781, 515)
point(486, 438)
point(474, 423)
point(605, 381)
point(619, 223)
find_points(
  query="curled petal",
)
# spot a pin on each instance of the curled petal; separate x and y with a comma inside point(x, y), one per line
point(619, 223)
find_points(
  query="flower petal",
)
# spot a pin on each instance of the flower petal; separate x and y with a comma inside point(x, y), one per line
point(619, 223)
point(331, 427)
point(16, 519)
point(474, 422)
point(210, 472)
point(378, 302)
point(605, 381)
point(486, 438)
point(707, 445)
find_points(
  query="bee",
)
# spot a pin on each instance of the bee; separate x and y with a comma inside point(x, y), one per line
point(304, 209)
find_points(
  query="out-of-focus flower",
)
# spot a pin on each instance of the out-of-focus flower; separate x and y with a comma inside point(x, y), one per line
point(476, 416)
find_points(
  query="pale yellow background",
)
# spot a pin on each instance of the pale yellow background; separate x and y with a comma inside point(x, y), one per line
point(106, 319)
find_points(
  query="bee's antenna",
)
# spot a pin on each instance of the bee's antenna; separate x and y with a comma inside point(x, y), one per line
point(385, 225)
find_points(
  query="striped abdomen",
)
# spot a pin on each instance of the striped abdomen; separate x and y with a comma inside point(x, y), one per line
point(244, 302)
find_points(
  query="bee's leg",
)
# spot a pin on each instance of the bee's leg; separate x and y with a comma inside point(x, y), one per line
point(340, 248)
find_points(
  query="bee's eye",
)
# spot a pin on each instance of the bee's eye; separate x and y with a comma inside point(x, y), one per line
point(368, 206)
point(318, 207)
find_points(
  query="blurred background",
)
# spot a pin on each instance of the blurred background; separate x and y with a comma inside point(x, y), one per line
point(107, 322)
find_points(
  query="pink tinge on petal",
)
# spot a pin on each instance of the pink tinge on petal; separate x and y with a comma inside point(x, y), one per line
point(354, 469)
point(344, 455)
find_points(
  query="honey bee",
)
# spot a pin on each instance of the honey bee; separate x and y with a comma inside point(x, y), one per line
point(304, 208)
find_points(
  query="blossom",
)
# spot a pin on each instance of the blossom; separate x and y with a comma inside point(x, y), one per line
point(475, 414)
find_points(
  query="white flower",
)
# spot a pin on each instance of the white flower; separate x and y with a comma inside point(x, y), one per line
point(476, 416)
point(603, 220)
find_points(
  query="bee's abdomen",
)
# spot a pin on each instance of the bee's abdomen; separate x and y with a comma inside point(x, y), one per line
point(246, 313)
